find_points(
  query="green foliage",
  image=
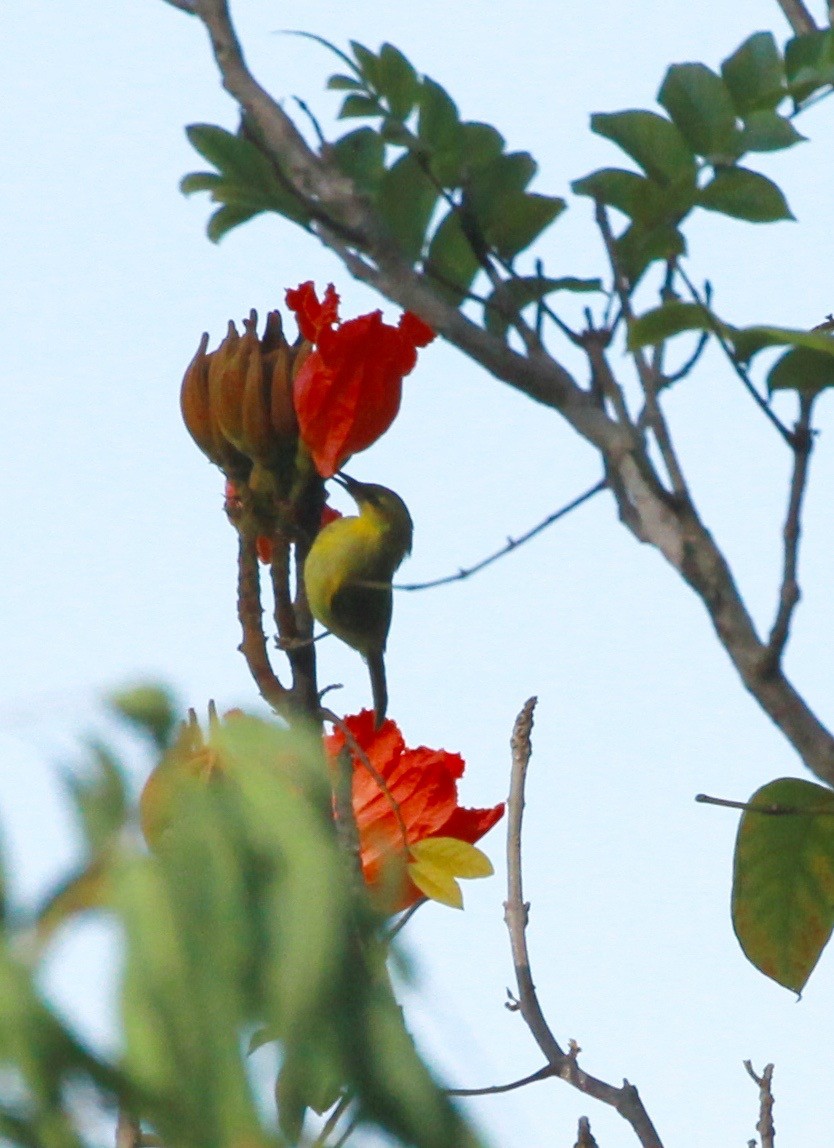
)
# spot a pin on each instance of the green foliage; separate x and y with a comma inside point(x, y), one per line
point(744, 194)
point(783, 881)
point(803, 369)
point(151, 708)
point(701, 108)
point(516, 294)
point(245, 919)
point(246, 182)
point(809, 64)
point(755, 74)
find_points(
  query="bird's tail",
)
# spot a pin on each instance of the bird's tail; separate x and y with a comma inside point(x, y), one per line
point(379, 688)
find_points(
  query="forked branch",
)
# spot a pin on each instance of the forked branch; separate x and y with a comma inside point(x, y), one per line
point(625, 1100)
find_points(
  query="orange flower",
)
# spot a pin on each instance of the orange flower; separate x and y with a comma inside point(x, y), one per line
point(348, 391)
point(408, 816)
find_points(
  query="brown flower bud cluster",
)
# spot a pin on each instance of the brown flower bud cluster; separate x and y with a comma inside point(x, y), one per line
point(237, 403)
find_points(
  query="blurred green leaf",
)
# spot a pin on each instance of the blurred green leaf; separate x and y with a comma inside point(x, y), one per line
point(801, 369)
point(515, 294)
point(406, 200)
point(358, 106)
point(767, 131)
point(671, 319)
point(744, 194)
point(339, 83)
point(100, 798)
point(451, 261)
point(397, 81)
point(755, 74)
point(809, 63)
point(361, 155)
point(367, 63)
point(701, 108)
point(439, 130)
point(638, 247)
point(636, 196)
point(749, 341)
point(523, 218)
point(151, 708)
point(480, 144)
point(652, 141)
point(783, 880)
point(225, 219)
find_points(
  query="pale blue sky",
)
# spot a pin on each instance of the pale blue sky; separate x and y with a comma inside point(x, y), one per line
point(117, 561)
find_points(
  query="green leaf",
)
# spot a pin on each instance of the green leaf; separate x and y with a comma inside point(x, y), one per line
point(809, 63)
point(701, 107)
point(451, 261)
point(652, 141)
point(151, 708)
point(755, 74)
point(339, 83)
point(199, 181)
point(634, 195)
point(767, 131)
point(515, 294)
point(638, 247)
point(361, 155)
point(367, 63)
point(225, 219)
point(749, 341)
point(406, 201)
point(783, 880)
point(492, 186)
point(480, 144)
point(744, 194)
point(523, 218)
point(671, 319)
point(100, 798)
point(397, 81)
point(439, 131)
point(802, 369)
point(359, 106)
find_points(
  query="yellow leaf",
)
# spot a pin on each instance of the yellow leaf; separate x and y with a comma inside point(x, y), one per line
point(437, 862)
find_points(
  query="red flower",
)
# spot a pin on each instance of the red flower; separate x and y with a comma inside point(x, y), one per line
point(407, 813)
point(348, 391)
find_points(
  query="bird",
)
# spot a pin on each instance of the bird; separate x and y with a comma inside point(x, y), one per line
point(348, 574)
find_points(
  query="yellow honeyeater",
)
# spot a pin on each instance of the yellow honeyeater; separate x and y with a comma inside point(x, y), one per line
point(348, 575)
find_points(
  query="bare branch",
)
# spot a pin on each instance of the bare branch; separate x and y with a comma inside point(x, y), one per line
point(128, 1131)
point(789, 594)
point(511, 544)
point(183, 5)
point(625, 1100)
point(250, 612)
point(495, 1089)
point(774, 810)
point(798, 16)
point(765, 1126)
point(584, 1136)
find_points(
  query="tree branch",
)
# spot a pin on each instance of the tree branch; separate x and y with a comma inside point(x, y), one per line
point(798, 16)
point(789, 594)
point(653, 514)
point(764, 1126)
point(250, 612)
point(625, 1100)
point(511, 544)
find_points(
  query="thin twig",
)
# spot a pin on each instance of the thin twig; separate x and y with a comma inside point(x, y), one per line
point(648, 378)
point(789, 593)
point(773, 810)
point(742, 374)
point(798, 16)
point(765, 1126)
point(493, 1089)
point(510, 545)
point(128, 1130)
point(625, 1100)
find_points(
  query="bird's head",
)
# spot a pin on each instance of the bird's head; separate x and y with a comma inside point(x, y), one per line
point(385, 508)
